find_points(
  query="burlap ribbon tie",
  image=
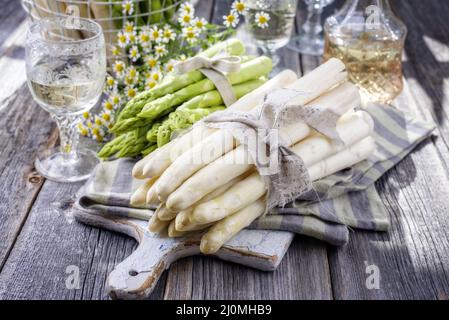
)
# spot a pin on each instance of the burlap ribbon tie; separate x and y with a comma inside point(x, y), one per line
point(214, 69)
point(285, 173)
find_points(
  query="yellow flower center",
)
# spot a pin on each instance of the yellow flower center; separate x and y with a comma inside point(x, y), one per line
point(152, 84)
point(108, 105)
point(144, 37)
point(86, 115)
point(155, 34)
point(110, 82)
point(240, 6)
point(115, 51)
point(167, 33)
point(262, 19)
point(131, 92)
point(230, 18)
point(132, 37)
point(106, 116)
point(115, 100)
point(122, 38)
point(199, 24)
point(128, 6)
point(156, 76)
point(129, 28)
point(170, 68)
point(119, 67)
point(152, 63)
point(186, 18)
point(98, 121)
point(132, 73)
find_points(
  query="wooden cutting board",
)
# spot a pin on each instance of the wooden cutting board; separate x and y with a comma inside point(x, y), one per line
point(137, 275)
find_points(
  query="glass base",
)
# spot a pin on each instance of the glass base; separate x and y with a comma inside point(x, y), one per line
point(56, 166)
point(306, 45)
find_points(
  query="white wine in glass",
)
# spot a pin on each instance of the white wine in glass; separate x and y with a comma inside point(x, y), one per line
point(66, 68)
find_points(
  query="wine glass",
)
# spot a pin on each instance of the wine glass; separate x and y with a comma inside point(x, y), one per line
point(66, 69)
point(310, 39)
point(275, 33)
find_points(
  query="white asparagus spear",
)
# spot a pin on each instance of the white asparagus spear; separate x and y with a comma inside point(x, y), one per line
point(234, 163)
point(156, 225)
point(152, 195)
point(344, 159)
point(352, 129)
point(228, 227)
point(154, 165)
point(165, 214)
point(138, 198)
point(172, 232)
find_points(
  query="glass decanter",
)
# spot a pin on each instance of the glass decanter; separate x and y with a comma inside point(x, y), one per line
point(369, 39)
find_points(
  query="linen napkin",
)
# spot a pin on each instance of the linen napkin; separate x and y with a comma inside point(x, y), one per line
point(347, 199)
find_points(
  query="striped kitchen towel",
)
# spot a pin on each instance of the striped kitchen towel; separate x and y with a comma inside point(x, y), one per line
point(347, 199)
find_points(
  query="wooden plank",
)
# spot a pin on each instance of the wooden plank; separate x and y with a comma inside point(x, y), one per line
point(303, 274)
point(412, 257)
point(25, 129)
point(51, 241)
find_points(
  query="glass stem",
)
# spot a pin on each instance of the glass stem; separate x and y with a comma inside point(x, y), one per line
point(68, 135)
point(312, 27)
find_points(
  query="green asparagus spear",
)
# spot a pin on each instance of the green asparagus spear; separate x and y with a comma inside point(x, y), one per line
point(213, 98)
point(249, 70)
point(148, 149)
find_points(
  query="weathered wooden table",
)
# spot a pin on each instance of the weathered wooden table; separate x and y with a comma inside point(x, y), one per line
point(39, 239)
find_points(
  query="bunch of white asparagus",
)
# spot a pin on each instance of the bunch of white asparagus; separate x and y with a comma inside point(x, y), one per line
point(223, 194)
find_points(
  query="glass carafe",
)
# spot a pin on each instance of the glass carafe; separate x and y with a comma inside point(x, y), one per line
point(369, 38)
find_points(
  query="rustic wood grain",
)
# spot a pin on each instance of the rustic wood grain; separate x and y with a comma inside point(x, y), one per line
point(11, 14)
point(51, 241)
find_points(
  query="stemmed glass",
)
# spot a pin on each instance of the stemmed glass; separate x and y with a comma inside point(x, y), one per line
point(310, 38)
point(66, 68)
point(275, 34)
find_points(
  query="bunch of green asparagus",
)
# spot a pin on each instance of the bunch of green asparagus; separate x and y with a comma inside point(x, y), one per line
point(152, 118)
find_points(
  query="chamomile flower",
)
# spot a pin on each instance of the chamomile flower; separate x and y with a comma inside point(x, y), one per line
point(156, 76)
point(131, 37)
point(111, 83)
point(122, 39)
point(168, 34)
point(106, 117)
point(119, 68)
point(86, 115)
point(127, 7)
point(160, 51)
point(107, 105)
point(132, 73)
point(190, 34)
point(231, 20)
point(129, 81)
point(185, 18)
point(187, 7)
point(170, 66)
point(240, 7)
point(134, 53)
point(156, 34)
point(151, 61)
point(129, 27)
point(115, 100)
point(97, 121)
point(150, 84)
point(115, 50)
point(144, 37)
point(199, 23)
point(130, 92)
point(262, 19)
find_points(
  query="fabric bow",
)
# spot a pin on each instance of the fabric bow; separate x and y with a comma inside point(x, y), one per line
point(214, 69)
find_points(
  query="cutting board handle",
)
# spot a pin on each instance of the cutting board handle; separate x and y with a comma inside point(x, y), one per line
point(137, 275)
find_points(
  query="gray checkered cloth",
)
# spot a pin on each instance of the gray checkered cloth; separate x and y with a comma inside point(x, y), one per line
point(347, 199)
